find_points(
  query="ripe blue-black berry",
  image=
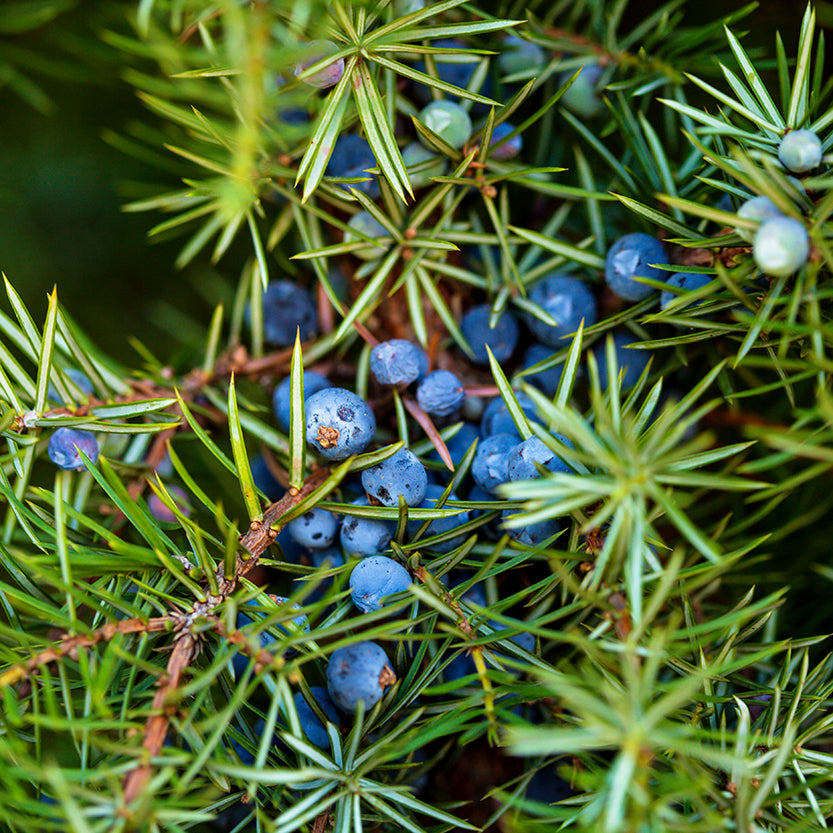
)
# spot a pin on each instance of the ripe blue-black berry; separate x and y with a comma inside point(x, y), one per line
point(358, 673)
point(459, 444)
point(632, 256)
point(689, 281)
point(781, 246)
point(401, 475)
point(629, 361)
point(351, 158)
point(440, 393)
point(508, 150)
point(448, 120)
point(329, 75)
point(397, 362)
point(66, 445)
point(490, 466)
point(311, 725)
point(367, 226)
point(800, 151)
point(760, 208)
point(316, 528)
point(373, 579)
point(259, 610)
point(521, 458)
point(282, 397)
point(365, 536)
point(287, 307)
point(568, 301)
point(339, 423)
point(500, 339)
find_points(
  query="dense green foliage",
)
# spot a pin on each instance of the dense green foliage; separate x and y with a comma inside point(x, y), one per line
point(678, 679)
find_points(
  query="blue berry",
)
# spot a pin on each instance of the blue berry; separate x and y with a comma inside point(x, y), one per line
point(66, 445)
point(628, 359)
point(545, 380)
point(286, 308)
point(490, 466)
point(440, 393)
point(440, 526)
point(78, 378)
point(329, 75)
point(448, 120)
point(162, 513)
point(800, 151)
point(264, 479)
point(365, 536)
point(373, 579)
point(401, 475)
point(351, 158)
point(316, 528)
point(582, 98)
point(414, 154)
point(509, 149)
point(565, 299)
point(339, 423)
point(366, 224)
point(689, 281)
point(758, 208)
point(518, 55)
point(781, 246)
point(522, 458)
point(629, 257)
point(398, 362)
point(358, 673)
point(323, 559)
point(282, 397)
point(501, 339)
point(531, 534)
point(311, 726)
point(498, 420)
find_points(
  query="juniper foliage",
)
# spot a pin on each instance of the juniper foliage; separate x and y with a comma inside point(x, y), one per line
point(679, 677)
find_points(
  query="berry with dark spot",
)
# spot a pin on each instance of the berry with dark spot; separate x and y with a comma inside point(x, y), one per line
point(365, 536)
point(339, 423)
point(689, 281)
point(401, 475)
point(523, 457)
point(316, 528)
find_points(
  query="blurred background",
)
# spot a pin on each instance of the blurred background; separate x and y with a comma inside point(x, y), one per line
point(63, 182)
